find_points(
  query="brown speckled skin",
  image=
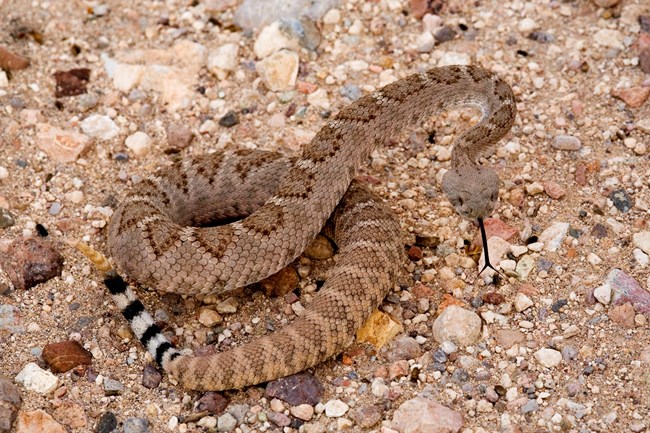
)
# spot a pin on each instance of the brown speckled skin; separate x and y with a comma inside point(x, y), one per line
point(154, 239)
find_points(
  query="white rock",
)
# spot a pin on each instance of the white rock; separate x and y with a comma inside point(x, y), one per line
point(642, 241)
point(335, 408)
point(454, 58)
point(527, 25)
point(4, 174)
point(553, 236)
point(425, 42)
point(566, 142)
point(518, 250)
point(272, 39)
point(431, 23)
point(223, 60)
point(319, 99)
point(462, 327)
point(641, 258)
point(609, 38)
point(378, 387)
point(523, 302)
point(594, 259)
point(34, 378)
point(303, 411)
point(534, 188)
point(139, 143)
point(333, 16)
point(448, 347)
point(279, 70)
point(603, 294)
point(99, 126)
point(4, 80)
point(548, 357)
point(226, 422)
point(208, 422)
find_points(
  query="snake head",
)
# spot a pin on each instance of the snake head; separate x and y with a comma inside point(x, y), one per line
point(472, 189)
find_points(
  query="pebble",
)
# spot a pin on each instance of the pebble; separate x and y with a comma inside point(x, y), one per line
point(548, 357)
point(273, 38)
point(179, 136)
point(625, 289)
point(319, 99)
point(458, 325)
point(523, 302)
point(507, 338)
point(378, 387)
point(621, 200)
point(534, 188)
point(151, 377)
point(229, 119)
point(530, 406)
point(7, 219)
point(609, 38)
point(107, 423)
point(566, 142)
point(112, 387)
point(301, 388)
point(634, 97)
point(642, 240)
point(603, 294)
point(212, 402)
point(226, 422)
point(553, 236)
point(71, 83)
point(71, 414)
point(279, 419)
point(366, 416)
point(336, 408)
point(34, 378)
point(99, 126)
point(527, 25)
point(228, 306)
point(422, 415)
point(445, 34)
point(425, 42)
point(139, 143)
point(209, 317)
point(554, 190)
point(30, 261)
point(11, 61)
point(319, 249)
point(302, 411)
point(10, 402)
point(279, 70)
point(4, 173)
point(404, 347)
point(623, 315)
point(37, 421)
point(135, 425)
point(60, 145)
point(255, 14)
point(223, 60)
point(65, 355)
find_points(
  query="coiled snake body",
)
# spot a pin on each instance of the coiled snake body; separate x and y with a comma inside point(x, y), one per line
point(156, 238)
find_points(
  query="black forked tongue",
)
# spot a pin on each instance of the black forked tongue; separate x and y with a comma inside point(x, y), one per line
point(485, 248)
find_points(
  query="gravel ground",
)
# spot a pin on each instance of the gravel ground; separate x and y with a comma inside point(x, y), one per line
point(559, 341)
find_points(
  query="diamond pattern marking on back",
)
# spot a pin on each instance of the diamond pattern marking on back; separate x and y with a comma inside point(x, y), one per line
point(286, 202)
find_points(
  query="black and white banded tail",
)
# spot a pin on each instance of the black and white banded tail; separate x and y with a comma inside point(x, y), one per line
point(142, 324)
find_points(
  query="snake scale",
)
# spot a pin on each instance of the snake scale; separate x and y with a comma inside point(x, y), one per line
point(163, 235)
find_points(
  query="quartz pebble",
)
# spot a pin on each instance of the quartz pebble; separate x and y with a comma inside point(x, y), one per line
point(566, 142)
point(139, 143)
point(336, 408)
point(548, 357)
point(279, 70)
point(60, 145)
point(34, 378)
point(458, 325)
point(99, 126)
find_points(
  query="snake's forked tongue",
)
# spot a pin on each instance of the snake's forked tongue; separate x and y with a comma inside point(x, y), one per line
point(485, 247)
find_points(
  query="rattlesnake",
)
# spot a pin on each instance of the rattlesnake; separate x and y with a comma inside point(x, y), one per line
point(155, 238)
